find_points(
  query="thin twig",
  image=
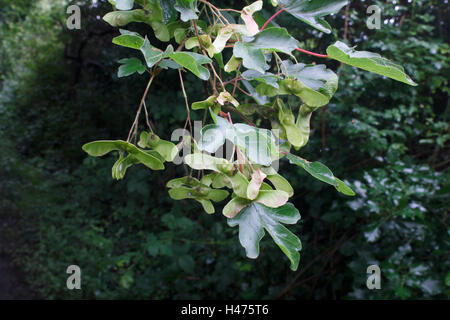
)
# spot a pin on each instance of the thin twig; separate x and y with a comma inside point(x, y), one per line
point(136, 119)
point(244, 92)
point(147, 119)
point(188, 119)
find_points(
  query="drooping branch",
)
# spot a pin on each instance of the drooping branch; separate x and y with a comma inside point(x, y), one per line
point(136, 119)
point(188, 112)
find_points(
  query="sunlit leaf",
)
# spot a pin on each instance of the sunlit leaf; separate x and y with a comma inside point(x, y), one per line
point(226, 97)
point(280, 183)
point(369, 61)
point(256, 218)
point(272, 198)
point(247, 16)
point(255, 184)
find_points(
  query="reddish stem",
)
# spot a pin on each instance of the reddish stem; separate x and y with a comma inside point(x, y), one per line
point(298, 49)
point(271, 18)
point(312, 53)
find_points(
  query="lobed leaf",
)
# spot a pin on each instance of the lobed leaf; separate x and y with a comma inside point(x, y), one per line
point(256, 218)
point(187, 9)
point(134, 40)
point(313, 11)
point(130, 66)
point(272, 39)
point(153, 55)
